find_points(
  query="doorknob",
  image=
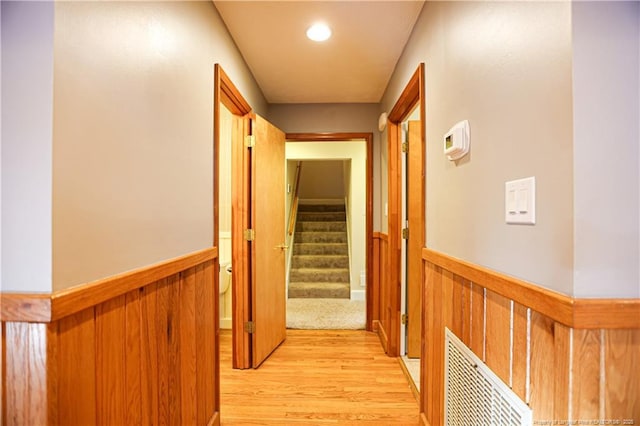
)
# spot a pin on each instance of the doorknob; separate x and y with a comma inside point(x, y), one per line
point(281, 246)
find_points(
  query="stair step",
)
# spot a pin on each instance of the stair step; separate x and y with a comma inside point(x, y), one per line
point(322, 216)
point(304, 226)
point(321, 237)
point(320, 261)
point(321, 208)
point(320, 248)
point(308, 275)
point(319, 290)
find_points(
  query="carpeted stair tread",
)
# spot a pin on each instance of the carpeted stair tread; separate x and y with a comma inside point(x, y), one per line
point(324, 261)
point(321, 208)
point(322, 216)
point(312, 289)
point(320, 249)
point(338, 275)
point(320, 237)
point(329, 226)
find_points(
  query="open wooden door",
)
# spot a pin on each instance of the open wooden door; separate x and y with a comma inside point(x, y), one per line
point(415, 209)
point(268, 298)
point(259, 305)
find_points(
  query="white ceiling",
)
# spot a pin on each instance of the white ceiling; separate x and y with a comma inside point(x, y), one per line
point(354, 65)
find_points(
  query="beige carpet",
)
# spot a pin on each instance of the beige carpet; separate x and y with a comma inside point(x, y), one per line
point(326, 314)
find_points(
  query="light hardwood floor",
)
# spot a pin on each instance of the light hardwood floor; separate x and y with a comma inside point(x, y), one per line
point(318, 377)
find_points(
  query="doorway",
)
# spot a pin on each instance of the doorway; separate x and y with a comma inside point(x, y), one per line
point(257, 223)
point(227, 95)
point(367, 140)
point(412, 243)
point(327, 235)
point(400, 325)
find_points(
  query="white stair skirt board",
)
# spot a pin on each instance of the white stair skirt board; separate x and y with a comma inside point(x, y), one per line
point(357, 295)
point(225, 323)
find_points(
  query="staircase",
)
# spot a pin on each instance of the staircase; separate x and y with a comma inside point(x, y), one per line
point(320, 263)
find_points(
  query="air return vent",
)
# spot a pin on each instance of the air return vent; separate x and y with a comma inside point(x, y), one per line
point(474, 395)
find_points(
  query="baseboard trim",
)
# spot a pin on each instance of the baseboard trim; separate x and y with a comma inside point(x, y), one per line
point(407, 374)
point(225, 323)
point(423, 420)
point(358, 295)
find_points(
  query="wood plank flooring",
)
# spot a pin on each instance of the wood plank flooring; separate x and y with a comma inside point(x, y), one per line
point(318, 377)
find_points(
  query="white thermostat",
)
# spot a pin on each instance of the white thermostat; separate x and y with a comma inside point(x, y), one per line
point(456, 141)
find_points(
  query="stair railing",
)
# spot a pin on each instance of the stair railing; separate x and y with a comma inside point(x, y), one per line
point(294, 205)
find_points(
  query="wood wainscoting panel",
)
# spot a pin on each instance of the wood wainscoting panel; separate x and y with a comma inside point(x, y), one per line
point(384, 292)
point(207, 324)
point(585, 402)
point(133, 367)
point(564, 364)
point(162, 344)
point(477, 321)
point(561, 371)
point(465, 334)
point(146, 356)
point(110, 362)
point(173, 351)
point(520, 352)
point(621, 350)
point(498, 336)
point(187, 347)
point(149, 354)
point(542, 361)
point(429, 395)
point(76, 334)
point(375, 284)
point(26, 375)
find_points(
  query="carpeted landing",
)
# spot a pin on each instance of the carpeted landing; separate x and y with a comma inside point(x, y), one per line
point(326, 314)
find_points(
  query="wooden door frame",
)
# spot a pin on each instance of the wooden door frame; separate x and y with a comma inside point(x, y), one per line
point(227, 94)
point(412, 95)
point(368, 139)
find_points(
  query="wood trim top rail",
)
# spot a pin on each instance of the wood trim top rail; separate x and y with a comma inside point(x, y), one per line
point(50, 307)
point(25, 307)
point(606, 313)
point(381, 236)
point(575, 313)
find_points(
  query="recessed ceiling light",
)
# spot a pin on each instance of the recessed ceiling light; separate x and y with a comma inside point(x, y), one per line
point(319, 32)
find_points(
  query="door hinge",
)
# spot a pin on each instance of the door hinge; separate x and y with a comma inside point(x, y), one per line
point(249, 327)
point(249, 234)
point(250, 141)
point(404, 319)
point(405, 233)
point(405, 147)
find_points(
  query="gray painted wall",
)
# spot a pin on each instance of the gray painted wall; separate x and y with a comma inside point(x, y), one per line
point(505, 67)
point(27, 112)
point(606, 73)
point(548, 88)
point(123, 176)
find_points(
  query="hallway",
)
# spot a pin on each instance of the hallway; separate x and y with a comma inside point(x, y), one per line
point(318, 377)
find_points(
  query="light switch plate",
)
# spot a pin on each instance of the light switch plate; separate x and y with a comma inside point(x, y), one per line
point(520, 201)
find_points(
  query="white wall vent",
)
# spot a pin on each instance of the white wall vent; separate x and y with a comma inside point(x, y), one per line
point(474, 395)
